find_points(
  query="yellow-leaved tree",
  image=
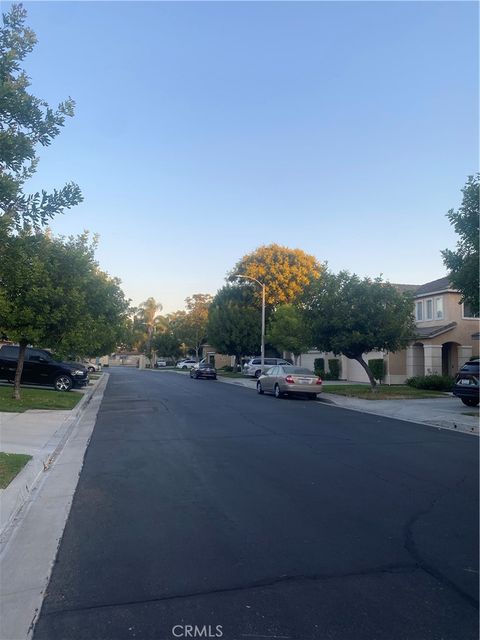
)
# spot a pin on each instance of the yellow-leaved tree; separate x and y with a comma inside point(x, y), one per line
point(285, 272)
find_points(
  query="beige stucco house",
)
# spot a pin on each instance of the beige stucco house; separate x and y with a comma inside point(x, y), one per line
point(447, 336)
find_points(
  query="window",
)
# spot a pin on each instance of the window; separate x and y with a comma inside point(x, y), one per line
point(438, 308)
point(429, 310)
point(419, 311)
point(468, 311)
point(9, 352)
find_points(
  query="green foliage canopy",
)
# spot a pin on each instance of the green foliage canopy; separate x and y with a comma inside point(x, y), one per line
point(351, 316)
point(53, 294)
point(234, 324)
point(463, 264)
point(25, 123)
point(287, 330)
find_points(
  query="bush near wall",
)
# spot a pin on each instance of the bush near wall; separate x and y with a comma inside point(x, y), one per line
point(334, 367)
point(377, 367)
point(432, 382)
point(319, 366)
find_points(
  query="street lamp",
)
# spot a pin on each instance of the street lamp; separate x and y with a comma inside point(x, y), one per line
point(262, 347)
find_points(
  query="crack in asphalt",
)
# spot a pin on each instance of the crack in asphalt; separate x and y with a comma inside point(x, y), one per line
point(394, 568)
point(411, 548)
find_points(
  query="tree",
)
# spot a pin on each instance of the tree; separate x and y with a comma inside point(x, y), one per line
point(285, 272)
point(234, 321)
point(351, 316)
point(166, 344)
point(463, 264)
point(53, 294)
point(25, 123)
point(287, 330)
point(196, 320)
point(148, 317)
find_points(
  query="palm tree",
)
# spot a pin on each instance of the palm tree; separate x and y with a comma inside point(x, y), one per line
point(148, 315)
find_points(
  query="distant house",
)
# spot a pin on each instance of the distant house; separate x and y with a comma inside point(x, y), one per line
point(447, 335)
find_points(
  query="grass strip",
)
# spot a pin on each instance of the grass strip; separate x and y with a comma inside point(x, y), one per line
point(382, 392)
point(37, 399)
point(10, 465)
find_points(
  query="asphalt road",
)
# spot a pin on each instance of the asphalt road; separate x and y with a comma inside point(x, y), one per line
point(203, 504)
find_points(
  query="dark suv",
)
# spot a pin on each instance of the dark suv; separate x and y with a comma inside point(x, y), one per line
point(41, 368)
point(466, 384)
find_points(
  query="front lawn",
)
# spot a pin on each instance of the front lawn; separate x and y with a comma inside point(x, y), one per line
point(382, 392)
point(10, 465)
point(37, 399)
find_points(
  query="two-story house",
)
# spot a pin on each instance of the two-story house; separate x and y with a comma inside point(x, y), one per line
point(447, 335)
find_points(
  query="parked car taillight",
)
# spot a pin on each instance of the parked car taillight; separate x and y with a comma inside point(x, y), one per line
point(290, 380)
point(319, 381)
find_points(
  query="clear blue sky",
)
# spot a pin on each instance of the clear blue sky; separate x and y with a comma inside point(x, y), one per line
point(204, 130)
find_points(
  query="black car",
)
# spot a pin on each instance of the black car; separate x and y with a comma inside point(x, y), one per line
point(466, 384)
point(41, 368)
point(204, 370)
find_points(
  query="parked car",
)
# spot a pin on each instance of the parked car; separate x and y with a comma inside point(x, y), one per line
point(188, 363)
point(254, 366)
point(467, 383)
point(284, 379)
point(202, 361)
point(91, 366)
point(41, 368)
point(204, 370)
point(160, 363)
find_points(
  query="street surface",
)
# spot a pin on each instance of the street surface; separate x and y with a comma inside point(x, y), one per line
point(204, 504)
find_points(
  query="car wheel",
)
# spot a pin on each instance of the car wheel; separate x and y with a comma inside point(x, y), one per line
point(258, 373)
point(470, 402)
point(259, 388)
point(277, 392)
point(184, 367)
point(63, 383)
point(91, 369)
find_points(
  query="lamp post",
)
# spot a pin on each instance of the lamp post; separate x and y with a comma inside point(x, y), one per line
point(262, 346)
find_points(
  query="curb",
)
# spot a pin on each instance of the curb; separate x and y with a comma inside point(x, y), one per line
point(19, 490)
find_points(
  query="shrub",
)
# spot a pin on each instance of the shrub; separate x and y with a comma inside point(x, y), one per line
point(319, 366)
point(377, 367)
point(334, 367)
point(227, 368)
point(432, 382)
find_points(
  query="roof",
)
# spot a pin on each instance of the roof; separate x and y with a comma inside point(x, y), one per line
point(442, 284)
point(432, 332)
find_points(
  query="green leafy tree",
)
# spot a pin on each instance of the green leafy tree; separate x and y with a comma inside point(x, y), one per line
point(351, 316)
point(287, 330)
point(285, 272)
point(25, 122)
point(53, 294)
point(234, 321)
point(463, 264)
point(166, 344)
point(196, 320)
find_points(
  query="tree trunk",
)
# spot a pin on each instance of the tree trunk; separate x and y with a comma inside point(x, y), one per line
point(362, 362)
point(18, 373)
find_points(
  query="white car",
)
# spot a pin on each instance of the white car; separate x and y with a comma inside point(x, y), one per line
point(188, 363)
point(91, 366)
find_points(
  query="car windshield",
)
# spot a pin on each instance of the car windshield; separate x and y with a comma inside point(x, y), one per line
point(205, 365)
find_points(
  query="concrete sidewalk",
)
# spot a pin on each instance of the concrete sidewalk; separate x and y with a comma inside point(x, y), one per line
point(40, 434)
point(446, 413)
point(30, 539)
